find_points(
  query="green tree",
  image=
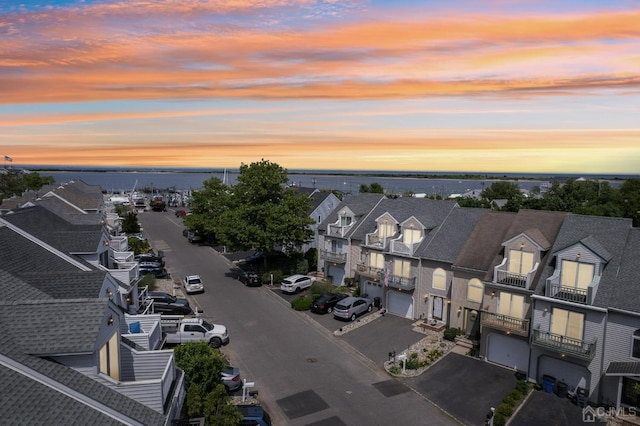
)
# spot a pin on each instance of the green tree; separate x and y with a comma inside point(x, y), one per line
point(374, 188)
point(201, 364)
point(629, 200)
point(207, 207)
point(218, 410)
point(194, 400)
point(130, 224)
point(16, 182)
point(262, 213)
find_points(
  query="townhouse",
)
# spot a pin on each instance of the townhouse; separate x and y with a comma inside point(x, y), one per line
point(69, 297)
point(585, 312)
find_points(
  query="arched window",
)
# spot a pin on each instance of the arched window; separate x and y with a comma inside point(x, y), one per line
point(475, 290)
point(440, 279)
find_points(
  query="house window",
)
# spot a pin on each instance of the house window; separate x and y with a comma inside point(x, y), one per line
point(402, 268)
point(385, 229)
point(410, 236)
point(336, 246)
point(576, 275)
point(376, 260)
point(635, 345)
point(520, 262)
point(345, 220)
point(440, 279)
point(475, 290)
point(109, 358)
point(567, 323)
point(511, 305)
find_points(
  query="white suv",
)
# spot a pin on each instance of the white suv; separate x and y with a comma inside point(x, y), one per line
point(193, 284)
point(296, 283)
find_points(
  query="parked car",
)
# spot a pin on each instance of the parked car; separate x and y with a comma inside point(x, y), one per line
point(253, 415)
point(296, 283)
point(178, 330)
point(231, 378)
point(351, 307)
point(249, 278)
point(152, 267)
point(325, 303)
point(151, 257)
point(193, 284)
point(165, 303)
point(194, 237)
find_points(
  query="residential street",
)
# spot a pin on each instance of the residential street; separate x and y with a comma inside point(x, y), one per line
point(304, 374)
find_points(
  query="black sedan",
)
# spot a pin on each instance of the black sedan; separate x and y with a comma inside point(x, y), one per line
point(249, 278)
point(325, 303)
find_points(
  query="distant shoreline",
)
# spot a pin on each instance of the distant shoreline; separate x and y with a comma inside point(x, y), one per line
point(364, 173)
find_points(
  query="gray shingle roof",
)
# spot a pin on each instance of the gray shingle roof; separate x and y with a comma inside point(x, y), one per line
point(69, 213)
point(33, 403)
point(610, 235)
point(360, 205)
point(55, 231)
point(622, 289)
point(13, 288)
point(60, 285)
point(48, 327)
point(431, 213)
point(484, 242)
point(20, 254)
point(445, 242)
point(80, 194)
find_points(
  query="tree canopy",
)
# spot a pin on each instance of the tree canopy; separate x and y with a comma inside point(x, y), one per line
point(258, 212)
point(16, 182)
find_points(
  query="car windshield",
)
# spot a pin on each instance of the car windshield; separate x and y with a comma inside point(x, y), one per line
point(167, 297)
point(195, 281)
point(207, 325)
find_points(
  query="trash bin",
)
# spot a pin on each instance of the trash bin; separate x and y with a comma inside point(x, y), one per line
point(548, 383)
point(562, 389)
point(376, 302)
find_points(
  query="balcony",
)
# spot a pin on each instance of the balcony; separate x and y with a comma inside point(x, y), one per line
point(332, 256)
point(337, 230)
point(563, 344)
point(119, 243)
point(369, 271)
point(501, 275)
point(373, 240)
point(401, 283)
point(150, 335)
point(506, 323)
point(583, 296)
point(125, 272)
point(400, 247)
point(149, 377)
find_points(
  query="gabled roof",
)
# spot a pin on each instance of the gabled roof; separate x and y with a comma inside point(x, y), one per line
point(50, 327)
point(68, 212)
point(59, 285)
point(445, 242)
point(46, 392)
point(540, 226)
point(430, 213)
point(80, 194)
point(485, 241)
point(13, 288)
point(361, 205)
point(318, 197)
point(55, 231)
point(20, 254)
point(607, 234)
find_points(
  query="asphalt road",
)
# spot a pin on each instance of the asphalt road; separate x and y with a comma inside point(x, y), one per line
point(304, 374)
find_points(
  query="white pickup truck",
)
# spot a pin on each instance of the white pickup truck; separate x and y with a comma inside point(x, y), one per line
point(179, 329)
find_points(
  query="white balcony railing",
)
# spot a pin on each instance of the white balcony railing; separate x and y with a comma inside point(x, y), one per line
point(400, 247)
point(332, 256)
point(571, 294)
point(502, 275)
point(509, 324)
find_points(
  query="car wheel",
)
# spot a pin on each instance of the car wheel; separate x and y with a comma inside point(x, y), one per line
point(329, 309)
point(369, 308)
point(353, 317)
point(215, 342)
point(298, 289)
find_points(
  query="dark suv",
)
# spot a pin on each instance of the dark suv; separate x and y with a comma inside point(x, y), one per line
point(325, 303)
point(164, 303)
point(249, 278)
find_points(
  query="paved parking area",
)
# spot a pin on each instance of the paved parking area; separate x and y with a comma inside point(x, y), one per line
point(543, 408)
point(464, 387)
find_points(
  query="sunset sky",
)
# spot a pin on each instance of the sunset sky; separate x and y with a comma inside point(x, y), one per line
point(433, 86)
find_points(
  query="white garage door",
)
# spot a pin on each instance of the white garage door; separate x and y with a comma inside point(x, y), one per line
point(508, 351)
point(372, 289)
point(572, 374)
point(400, 304)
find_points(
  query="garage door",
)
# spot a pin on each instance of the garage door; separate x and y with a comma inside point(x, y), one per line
point(572, 374)
point(372, 289)
point(508, 351)
point(336, 274)
point(400, 304)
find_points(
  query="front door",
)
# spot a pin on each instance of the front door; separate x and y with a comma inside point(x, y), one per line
point(471, 321)
point(437, 308)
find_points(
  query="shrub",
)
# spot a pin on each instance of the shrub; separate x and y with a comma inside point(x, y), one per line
point(301, 303)
point(148, 280)
point(451, 333)
point(278, 276)
point(522, 386)
point(499, 420)
point(319, 287)
point(505, 410)
point(516, 394)
point(395, 369)
point(508, 400)
point(356, 292)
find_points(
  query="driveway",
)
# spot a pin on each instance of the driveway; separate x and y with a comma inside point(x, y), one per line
point(543, 408)
point(464, 387)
